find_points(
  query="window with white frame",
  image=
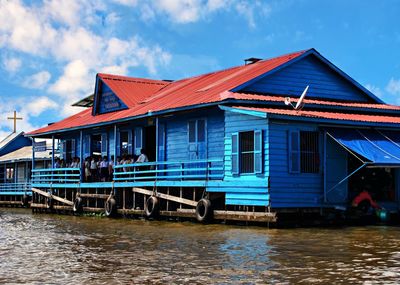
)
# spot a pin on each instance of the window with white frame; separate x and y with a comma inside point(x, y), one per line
point(247, 152)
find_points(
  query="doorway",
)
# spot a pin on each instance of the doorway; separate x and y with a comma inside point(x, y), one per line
point(150, 142)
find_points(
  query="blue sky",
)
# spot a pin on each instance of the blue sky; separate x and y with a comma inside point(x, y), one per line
point(52, 49)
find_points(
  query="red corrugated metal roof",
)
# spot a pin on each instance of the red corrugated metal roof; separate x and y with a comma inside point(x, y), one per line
point(273, 98)
point(186, 92)
point(325, 115)
point(146, 95)
point(132, 90)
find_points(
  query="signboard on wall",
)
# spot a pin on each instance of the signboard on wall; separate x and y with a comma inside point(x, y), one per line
point(39, 146)
point(109, 102)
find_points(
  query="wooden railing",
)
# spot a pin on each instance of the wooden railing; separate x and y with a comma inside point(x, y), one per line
point(15, 188)
point(148, 171)
point(170, 170)
point(56, 175)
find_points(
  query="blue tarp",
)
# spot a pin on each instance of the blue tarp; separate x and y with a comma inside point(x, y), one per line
point(376, 147)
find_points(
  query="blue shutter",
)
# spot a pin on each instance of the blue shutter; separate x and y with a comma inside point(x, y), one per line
point(118, 144)
point(294, 152)
point(138, 140)
point(73, 148)
point(258, 140)
point(235, 153)
point(161, 142)
point(86, 146)
point(104, 145)
point(63, 149)
point(130, 142)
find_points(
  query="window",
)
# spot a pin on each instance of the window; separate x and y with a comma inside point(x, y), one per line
point(304, 152)
point(124, 143)
point(246, 149)
point(10, 174)
point(197, 138)
point(247, 152)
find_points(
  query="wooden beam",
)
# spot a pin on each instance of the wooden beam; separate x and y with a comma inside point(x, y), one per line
point(10, 203)
point(166, 196)
point(48, 195)
point(99, 196)
point(237, 215)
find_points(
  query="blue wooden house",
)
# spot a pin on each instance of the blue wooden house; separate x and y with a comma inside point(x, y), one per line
point(229, 144)
point(15, 169)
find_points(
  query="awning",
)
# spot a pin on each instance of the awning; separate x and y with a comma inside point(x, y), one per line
point(374, 147)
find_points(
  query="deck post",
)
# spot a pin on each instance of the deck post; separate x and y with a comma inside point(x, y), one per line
point(33, 153)
point(52, 151)
point(156, 168)
point(115, 144)
point(324, 171)
point(82, 163)
point(15, 172)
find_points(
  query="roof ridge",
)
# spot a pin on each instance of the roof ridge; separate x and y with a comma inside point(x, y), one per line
point(132, 79)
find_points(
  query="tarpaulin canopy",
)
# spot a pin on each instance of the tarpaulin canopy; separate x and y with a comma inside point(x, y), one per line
point(376, 147)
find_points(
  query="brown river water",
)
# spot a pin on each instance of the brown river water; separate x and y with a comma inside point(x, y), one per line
point(53, 249)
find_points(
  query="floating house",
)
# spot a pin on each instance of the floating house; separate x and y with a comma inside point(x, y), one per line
point(235, 144)
point(15, 169)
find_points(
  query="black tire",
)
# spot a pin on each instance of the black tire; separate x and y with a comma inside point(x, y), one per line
point(78, 205)
point(152, 207)
point(204, 211)
point(25, 201)
point(110, 207)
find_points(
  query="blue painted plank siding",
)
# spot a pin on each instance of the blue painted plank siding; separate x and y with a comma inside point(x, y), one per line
point(256, 191)
point(291, 189)
point(324, 83)
point(19, 142)
point(177, 134)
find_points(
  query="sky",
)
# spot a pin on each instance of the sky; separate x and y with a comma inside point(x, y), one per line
point(51, 50)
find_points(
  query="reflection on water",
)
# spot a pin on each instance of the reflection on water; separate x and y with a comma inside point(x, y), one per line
point(78, 250)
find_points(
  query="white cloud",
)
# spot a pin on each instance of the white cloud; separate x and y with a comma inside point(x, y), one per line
point(12, 64)
point(393, 87)
point(74, 79)
point(191, 11)
point(61, 31)
point(64, 11)
point(39, 105)
point(26, 109)
point(375, 90)
point(37, 80)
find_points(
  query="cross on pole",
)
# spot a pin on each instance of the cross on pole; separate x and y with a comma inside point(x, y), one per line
point(15, 118)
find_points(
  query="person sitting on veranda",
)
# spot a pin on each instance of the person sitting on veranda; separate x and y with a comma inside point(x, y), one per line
point(142, 157)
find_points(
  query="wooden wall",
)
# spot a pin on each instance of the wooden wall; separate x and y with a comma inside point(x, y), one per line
point(244, 189)
point(324, 82)
point(291, 189)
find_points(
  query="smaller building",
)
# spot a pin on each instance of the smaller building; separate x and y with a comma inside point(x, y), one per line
point(15, 168)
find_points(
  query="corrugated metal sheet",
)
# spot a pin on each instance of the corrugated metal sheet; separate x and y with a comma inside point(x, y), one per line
point(132, 90)
point(273, 98)
point(145, 95)
point(326, 115)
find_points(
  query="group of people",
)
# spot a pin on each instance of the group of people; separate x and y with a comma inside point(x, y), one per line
point(100, 169)
point(61, 163)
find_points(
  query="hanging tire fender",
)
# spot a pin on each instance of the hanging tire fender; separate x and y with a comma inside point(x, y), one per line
point(78, 205)
point(110, 207)
point(152, 207)
point(204, 210)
